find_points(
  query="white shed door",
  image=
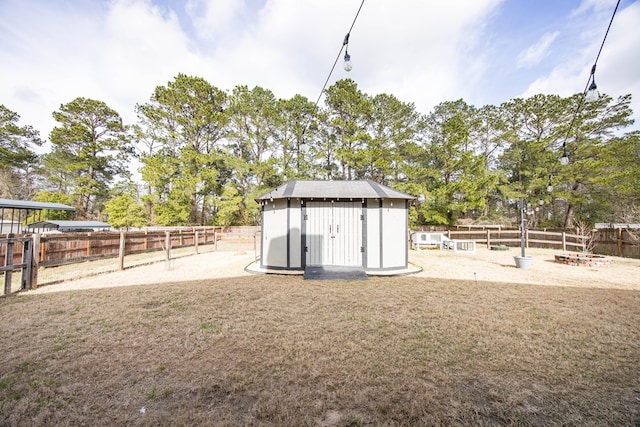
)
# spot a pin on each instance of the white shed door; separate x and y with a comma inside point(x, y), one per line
point(334, 233)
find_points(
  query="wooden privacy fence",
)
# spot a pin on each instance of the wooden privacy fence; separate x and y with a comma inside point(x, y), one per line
point(59, 249)
point(28, 253)
point(618, 241)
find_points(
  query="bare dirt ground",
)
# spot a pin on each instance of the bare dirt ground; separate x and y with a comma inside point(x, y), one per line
point(231, 258)
point(499, 266)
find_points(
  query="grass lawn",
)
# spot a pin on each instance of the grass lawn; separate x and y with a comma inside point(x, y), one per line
point(273, 350)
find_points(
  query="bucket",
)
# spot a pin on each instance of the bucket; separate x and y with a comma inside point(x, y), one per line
point(523, 262)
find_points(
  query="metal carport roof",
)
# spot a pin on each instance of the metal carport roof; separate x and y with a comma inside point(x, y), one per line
point(29, 205)
point(26, 206)
point(67, 225)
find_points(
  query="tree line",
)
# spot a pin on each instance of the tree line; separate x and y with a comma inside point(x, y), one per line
point(205, 154)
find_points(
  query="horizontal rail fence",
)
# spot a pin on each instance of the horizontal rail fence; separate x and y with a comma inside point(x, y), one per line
point(60, 249)
point(495, 236)
point(17, 255)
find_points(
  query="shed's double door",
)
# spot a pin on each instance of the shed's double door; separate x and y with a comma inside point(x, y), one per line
point(334, 233)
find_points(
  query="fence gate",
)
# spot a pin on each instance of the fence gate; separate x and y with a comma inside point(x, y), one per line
point(10, 252)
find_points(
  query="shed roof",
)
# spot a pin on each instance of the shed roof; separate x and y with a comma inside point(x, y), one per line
point(74, 225)
point(365, 189)
point(26, 204)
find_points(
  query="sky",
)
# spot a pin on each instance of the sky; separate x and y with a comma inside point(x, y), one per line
point(421, 51)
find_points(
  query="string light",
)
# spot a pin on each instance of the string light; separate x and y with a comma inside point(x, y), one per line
point(590, 92)
point(348, 66)
point(347, 58)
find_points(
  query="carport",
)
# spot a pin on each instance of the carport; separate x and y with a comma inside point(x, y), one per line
point(20, 210)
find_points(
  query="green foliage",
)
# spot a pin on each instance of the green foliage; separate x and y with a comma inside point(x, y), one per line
point(456, 176)
point(349, 111)
point(295, 125)
point(90, 149)
point(180, 132)
point(18, 161)
point(53, 197)
point(206, 154)
point(123, 212)
point(230, 208)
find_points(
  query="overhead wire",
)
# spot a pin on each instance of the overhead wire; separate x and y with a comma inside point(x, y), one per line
point(590, 80)
point(345, 42)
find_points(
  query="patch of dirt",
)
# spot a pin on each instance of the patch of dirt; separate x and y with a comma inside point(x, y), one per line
point(481, 266)
point(499, 266)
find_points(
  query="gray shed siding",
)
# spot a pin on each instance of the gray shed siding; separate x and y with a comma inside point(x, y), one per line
point(373, 235)
point(371, 232)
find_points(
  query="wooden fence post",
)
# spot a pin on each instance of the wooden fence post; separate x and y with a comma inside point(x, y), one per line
point(35, 260)
point(43, 250)
point(167, 252)
point(620, 247)
point(88, 244)
point(121, 252)
point(195, 238)
point(8, 262)
point(488, 238)
point(564, 241)
point(215, 239)
point(27, 253)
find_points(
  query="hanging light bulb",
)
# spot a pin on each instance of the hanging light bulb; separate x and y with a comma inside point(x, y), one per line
point(564, 160)
point(592, 92)
point(347, 61)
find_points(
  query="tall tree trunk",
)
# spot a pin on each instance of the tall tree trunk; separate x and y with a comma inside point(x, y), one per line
point(568, 219)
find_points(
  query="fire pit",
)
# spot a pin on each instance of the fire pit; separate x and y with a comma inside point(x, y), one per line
point(584, 260)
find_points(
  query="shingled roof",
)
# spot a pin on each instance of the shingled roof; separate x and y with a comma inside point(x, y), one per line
point(366, 189)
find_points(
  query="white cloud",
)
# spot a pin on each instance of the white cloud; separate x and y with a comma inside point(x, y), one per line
point(118, 51)
point(617, 68)
point(538, 51)
point(214, 19)
point(419, 52)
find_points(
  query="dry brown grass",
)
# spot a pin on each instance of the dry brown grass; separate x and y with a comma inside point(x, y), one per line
point(271, 350)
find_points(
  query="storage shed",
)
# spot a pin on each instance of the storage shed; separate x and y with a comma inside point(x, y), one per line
point(342, 223)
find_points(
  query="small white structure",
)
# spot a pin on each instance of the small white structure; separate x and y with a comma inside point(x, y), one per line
point(68, 226)
point(431, 239)
point(428, 239)
point(8, 227)
point(344, 223)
